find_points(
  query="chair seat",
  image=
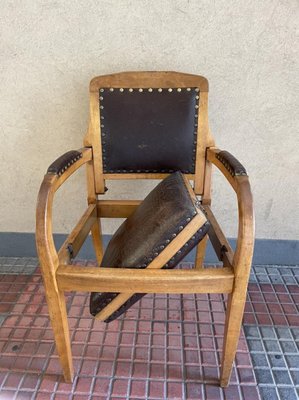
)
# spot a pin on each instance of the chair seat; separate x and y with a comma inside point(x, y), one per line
point(163, 214)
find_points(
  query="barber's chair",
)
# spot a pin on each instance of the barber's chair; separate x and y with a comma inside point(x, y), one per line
point(147, 125)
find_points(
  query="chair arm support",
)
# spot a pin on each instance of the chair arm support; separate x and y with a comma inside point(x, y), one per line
point(57, 174)
point(236, 175)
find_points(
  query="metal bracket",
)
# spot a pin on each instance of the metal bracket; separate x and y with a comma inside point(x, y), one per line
point(222, 251)
point(70, 250)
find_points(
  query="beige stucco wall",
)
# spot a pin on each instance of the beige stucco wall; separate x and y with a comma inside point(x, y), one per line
point(247, 50)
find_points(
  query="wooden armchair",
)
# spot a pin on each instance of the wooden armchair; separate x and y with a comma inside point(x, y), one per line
point(146, 125)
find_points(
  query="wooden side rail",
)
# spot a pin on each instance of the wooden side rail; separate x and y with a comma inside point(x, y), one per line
point(128, 280)
point(116, 208)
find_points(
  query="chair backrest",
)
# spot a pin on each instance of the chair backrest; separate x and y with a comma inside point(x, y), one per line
point(147, 125)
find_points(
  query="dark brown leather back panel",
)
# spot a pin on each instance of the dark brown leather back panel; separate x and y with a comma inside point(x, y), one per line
point(163, 214)
point(149, 130)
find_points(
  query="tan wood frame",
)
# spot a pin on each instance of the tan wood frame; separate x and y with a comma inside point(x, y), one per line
point(60, 276)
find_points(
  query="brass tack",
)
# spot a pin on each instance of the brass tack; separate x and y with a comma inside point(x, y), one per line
point(160, 90)
point(197, 97)
point(102, 107)
point(111, 89)
point(196, 106)
point(170, 90)
point(197, 90)
point(188, 219)
point(150, 89)
point(188, 89)
point(121, 89)
point(179, 89)
point(101, 97)
point(181, 227)
point(140, 90)
point(156, 254)
point(173, 235)
point(101, 90)
point(130, 90)
point(167, 241)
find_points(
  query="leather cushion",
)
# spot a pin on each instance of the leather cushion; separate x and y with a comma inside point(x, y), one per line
point(148, 131)
point(154, 224)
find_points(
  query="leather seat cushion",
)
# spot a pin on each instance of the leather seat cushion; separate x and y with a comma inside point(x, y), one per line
point(163, 214)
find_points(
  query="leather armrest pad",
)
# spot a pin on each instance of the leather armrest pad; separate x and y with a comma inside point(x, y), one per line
point(233, 166)
point(63, 162)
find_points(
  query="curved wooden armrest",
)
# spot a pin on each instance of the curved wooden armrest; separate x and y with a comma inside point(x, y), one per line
point(228, 165)
point(57, 174)
point(236, 175)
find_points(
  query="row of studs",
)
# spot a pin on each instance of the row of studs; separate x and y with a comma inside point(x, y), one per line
point(70, 163)
point(67, 164)
point(108, 297)
point(103, 134)
point(229, 167)
point(171, 263)
point(148, 89)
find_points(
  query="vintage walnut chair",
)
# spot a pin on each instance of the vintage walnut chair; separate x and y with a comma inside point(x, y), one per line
point(147, 125)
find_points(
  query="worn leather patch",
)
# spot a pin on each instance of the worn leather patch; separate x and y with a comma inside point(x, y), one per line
point(149, 130)
point(163, 214)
